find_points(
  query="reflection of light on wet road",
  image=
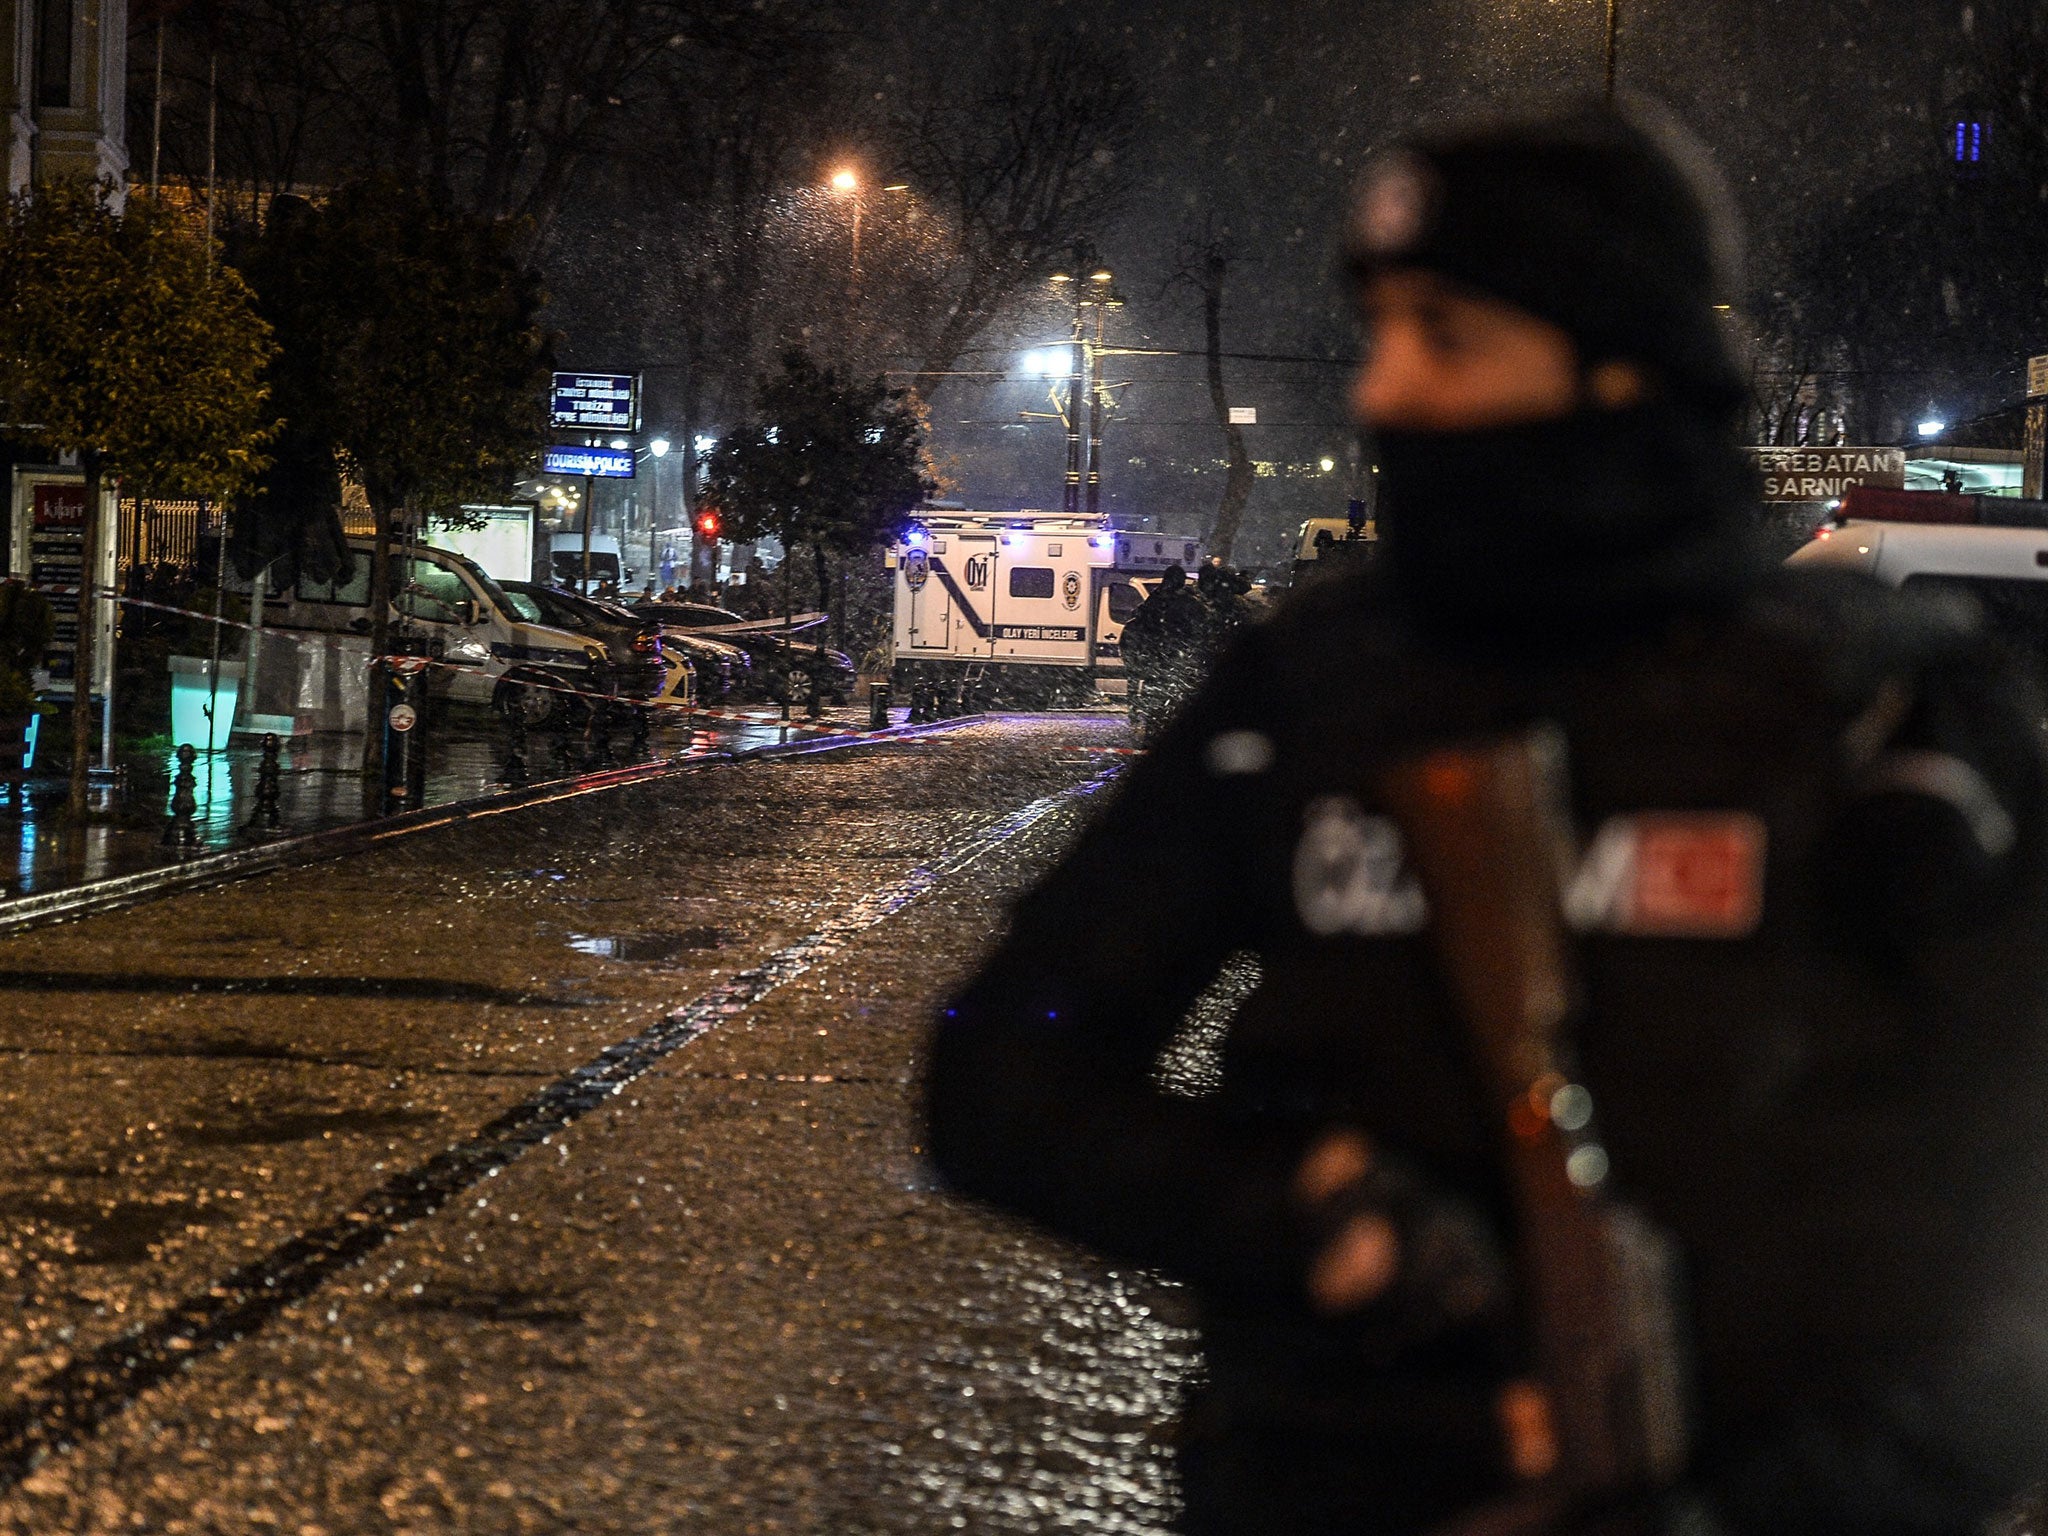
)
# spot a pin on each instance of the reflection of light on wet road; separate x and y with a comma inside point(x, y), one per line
point(1104, 1379)
point(321, 786)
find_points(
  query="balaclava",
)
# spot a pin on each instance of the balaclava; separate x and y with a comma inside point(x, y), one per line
point(1611, 226)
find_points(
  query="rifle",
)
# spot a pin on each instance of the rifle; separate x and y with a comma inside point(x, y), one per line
point(1490, 840)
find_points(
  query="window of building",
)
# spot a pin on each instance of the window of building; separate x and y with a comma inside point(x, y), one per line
point(1970, 141)
point(55, 28)
point(1031, 581)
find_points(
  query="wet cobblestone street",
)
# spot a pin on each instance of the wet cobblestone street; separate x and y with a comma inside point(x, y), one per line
point(683, 1268)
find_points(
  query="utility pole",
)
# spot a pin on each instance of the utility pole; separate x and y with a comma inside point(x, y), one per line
point(1076, 383)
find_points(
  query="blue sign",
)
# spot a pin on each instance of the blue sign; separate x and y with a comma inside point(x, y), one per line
point(604, 463)
point(600, 401)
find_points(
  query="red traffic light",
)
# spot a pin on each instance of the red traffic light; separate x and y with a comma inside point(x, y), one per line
point(707, 525)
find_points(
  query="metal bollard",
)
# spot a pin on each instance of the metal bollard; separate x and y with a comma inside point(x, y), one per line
point(269, 785)
point(400, 686)
point(180, 832)
point(514, 775)
point(878, 706)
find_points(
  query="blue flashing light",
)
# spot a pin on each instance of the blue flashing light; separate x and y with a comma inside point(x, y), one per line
point(915, 538)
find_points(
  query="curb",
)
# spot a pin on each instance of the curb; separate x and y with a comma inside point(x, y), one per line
point(42, 909)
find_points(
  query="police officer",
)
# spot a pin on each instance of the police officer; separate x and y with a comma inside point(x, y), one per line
point(1225, 609)
point(1162, 648)
point(1816, 1046)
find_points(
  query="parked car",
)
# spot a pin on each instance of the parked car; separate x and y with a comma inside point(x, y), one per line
point(495, 653)
point(783, 664)
point(725, 671)
point(641, 669)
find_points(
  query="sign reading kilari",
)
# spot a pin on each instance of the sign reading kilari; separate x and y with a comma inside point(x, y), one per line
point(1828, 474)
point(604, 401)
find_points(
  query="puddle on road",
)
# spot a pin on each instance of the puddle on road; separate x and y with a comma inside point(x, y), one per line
point(648, 948)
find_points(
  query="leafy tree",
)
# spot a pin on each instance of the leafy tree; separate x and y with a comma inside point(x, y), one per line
point(417, 363)
point(121, 341)
point(827, 461)
point(493, 107)
point(293, 514)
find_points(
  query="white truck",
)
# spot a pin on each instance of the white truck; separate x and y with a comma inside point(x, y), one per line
point(1027, 605)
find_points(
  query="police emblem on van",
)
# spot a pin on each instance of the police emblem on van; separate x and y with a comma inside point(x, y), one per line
point(917, 568)
point(1070, 589)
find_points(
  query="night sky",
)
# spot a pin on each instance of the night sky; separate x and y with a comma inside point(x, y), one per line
point(1260, 118)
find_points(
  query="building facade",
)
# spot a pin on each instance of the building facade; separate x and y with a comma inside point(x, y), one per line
point(63, 90)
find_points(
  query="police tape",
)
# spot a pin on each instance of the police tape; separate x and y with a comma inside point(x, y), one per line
point(410, 663)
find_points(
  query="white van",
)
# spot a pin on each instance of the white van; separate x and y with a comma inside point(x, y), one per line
point(316, 646)
point(1999, 569)
point(1038, 599)
point(565, 562)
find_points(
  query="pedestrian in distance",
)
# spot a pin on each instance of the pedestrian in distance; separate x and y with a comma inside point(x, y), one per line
point(1162, 649)
point(1634, 1126)
point(1225, 607)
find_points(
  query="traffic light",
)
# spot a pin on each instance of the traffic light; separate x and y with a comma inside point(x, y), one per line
point(707, 525)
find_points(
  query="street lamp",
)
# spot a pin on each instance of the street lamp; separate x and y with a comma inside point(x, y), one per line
point(659, 447)
point(846, 183)
point(1084, 466)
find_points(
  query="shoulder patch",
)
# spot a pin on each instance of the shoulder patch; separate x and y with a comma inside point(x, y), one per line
point(1651, 874)
point(1672, 874)
point(1351, 873)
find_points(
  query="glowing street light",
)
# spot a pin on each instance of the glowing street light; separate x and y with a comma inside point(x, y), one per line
point(1046, 362)
point(1933, 428)
point(1326, 463)
point(659, 447)
point(845, 180)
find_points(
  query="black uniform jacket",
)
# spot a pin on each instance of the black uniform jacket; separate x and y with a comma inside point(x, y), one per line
point(1819, 1063)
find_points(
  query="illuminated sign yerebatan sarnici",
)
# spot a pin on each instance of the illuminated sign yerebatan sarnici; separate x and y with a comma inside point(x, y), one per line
point(601, 401)
point(601, 463)
point(1827, 474)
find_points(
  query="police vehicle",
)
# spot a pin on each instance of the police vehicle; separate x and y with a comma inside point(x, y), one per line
point(1026, 606)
